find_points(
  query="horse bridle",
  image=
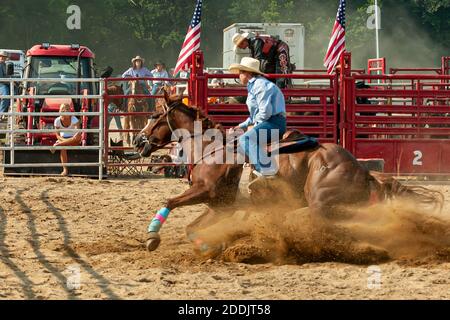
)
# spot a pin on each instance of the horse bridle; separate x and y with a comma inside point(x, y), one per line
point(167, 110)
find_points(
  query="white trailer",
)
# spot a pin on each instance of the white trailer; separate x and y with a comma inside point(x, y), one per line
point(291, 33)
point(17, 58)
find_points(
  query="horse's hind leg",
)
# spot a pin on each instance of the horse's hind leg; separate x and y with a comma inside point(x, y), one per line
point(197, 194)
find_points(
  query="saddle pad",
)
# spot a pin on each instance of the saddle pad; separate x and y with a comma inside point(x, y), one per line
point(301, 145)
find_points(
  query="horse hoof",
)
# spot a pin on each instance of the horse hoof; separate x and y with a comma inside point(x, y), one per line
point(153, 242)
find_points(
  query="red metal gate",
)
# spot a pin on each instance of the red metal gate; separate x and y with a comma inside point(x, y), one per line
point(403, 119)
point(312, 100)
point(406, 122)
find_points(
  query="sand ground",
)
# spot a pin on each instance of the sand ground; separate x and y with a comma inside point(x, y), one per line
point(84, 239)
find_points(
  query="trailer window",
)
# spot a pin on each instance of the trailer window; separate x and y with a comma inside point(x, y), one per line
point(59, 68)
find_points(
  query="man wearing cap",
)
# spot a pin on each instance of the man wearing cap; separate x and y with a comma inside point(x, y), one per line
point(272, 53)
point(159, 72)
point(267, 109)
point(4, 87)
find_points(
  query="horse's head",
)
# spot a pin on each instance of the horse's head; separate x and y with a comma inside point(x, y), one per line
point(160, 128)
point(136, 87)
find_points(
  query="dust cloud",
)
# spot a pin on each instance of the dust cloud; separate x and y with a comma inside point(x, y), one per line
point(394, 230)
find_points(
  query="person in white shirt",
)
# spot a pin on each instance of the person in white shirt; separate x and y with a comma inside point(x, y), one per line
point(66, 138)
point(159, 72)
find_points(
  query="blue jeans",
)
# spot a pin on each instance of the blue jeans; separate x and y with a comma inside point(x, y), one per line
point(254, 142)
point(4, 103)
point(112, 108)
point(156, 88)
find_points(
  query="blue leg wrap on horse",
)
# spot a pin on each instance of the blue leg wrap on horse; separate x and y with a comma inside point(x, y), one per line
point(158, 220)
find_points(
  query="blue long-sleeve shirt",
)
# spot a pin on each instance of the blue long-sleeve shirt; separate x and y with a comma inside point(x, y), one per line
point(264, 100)
point(137, 73)
point(159, 74)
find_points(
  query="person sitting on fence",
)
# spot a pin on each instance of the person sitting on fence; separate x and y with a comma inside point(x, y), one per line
point(272, 53)
point(4, 87)
point(66, 138)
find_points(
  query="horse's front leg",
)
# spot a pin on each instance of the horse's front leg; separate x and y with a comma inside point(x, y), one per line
point(197, 194)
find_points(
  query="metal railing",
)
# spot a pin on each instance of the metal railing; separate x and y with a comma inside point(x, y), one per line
point(12, 132)
point(111, 150)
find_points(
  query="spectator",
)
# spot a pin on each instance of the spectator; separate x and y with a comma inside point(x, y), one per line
point(138, 71)
point(65, 138)
point(217, 83)
point(4, 87)
point(159, 72)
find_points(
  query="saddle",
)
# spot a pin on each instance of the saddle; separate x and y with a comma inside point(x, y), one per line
point(294, 141)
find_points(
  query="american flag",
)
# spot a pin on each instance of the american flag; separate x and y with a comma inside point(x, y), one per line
point(337, 41)
point(192, 40)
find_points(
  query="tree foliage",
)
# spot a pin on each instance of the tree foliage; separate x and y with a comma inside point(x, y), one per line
point(413, 31)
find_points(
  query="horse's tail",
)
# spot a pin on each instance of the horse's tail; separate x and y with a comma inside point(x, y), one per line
point(389, 188)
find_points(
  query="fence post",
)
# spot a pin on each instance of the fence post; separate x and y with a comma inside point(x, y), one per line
point(30, 108)
point(101, 127)
point(197, 80)
point(105, 136)
point(12, 122)
point(346, 103)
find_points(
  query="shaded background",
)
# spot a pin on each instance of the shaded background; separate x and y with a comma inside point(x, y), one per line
point(414, 32)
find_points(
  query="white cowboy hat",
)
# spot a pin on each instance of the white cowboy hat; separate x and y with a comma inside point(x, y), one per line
point(238, 38)
point(137, 58)
point(247, 64)
point(3, 54)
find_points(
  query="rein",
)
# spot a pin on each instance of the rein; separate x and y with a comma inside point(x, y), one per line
point(168, 108)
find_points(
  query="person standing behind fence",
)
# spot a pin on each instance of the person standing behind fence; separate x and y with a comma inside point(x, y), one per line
point(66, 138)
point(159, 72)
point(4, 87)
point(138, 71)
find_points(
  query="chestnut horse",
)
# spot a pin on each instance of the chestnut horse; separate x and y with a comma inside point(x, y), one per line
point(323, 178)
point(136, 105)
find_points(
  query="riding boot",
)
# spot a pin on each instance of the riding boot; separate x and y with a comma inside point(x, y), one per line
point(260, 181)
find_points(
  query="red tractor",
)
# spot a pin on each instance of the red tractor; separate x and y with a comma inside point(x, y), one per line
point(59, 62)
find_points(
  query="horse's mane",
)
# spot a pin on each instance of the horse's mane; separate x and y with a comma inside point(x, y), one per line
point(194, 113)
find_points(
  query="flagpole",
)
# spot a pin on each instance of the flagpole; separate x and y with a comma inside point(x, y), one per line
point(376, 29)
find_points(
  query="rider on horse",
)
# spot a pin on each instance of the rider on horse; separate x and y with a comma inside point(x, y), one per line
point(267, 109)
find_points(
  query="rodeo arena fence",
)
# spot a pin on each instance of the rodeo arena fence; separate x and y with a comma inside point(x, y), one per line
point(400, 119)
point(29, 133)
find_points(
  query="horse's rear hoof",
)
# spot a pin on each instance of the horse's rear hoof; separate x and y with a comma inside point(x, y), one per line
point(153, 241)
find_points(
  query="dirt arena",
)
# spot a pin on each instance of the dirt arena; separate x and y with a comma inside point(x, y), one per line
point(51, 228)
